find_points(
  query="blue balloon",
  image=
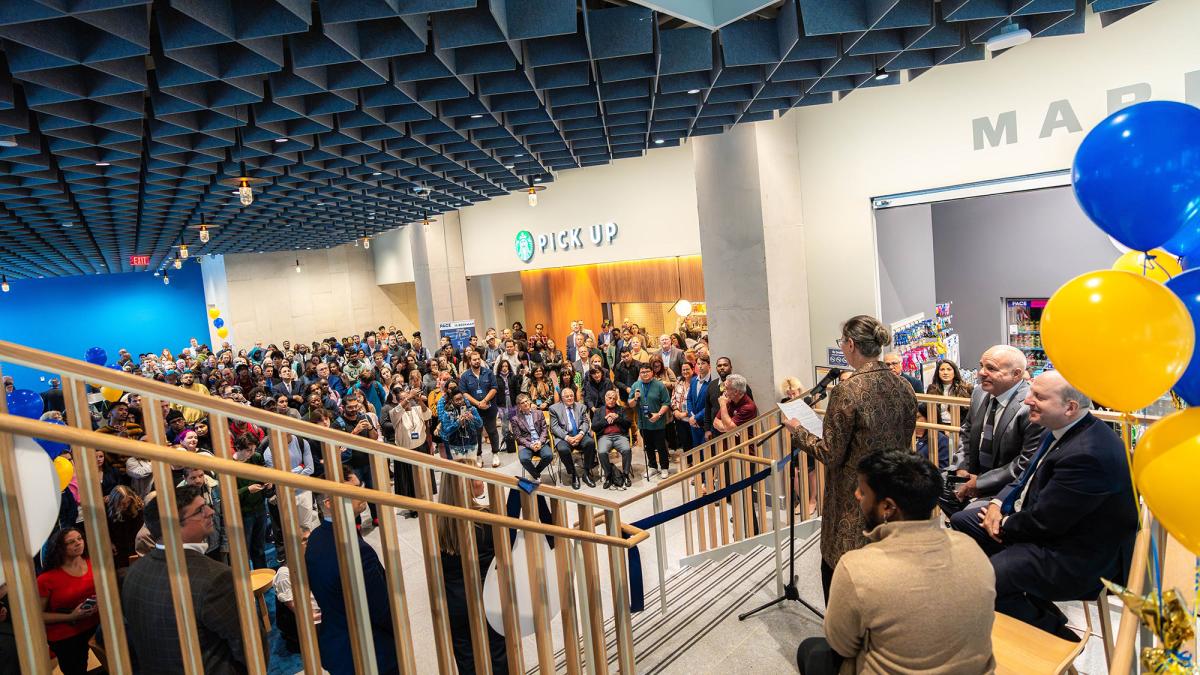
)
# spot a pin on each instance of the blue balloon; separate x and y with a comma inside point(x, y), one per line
point(1187, 287)
point(1137, 174)
point(25, 403)
point(53, 448)
point(219, 322)
point(1186, 243)
point(96, 356)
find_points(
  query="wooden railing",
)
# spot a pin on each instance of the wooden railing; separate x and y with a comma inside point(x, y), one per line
point(576, 566)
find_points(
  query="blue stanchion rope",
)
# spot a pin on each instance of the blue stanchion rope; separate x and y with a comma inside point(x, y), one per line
point(637, 600)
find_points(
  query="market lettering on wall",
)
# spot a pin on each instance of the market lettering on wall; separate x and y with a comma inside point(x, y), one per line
point(563, 240)
point(992, 132)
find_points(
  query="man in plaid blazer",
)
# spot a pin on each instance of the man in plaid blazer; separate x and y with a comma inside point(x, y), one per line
point(149, 609)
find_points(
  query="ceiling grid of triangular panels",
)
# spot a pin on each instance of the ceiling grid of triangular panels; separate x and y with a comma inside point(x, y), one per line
point(360, 116)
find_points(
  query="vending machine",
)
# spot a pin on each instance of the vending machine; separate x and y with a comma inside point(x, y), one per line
point(1023, 318)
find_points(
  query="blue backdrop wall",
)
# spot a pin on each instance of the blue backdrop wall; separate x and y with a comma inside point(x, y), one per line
point(67, 315)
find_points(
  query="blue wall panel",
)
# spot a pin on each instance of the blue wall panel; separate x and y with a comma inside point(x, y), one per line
point(67, 315)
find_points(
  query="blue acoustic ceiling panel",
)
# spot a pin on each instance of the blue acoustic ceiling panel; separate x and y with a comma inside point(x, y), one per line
point(125, 121)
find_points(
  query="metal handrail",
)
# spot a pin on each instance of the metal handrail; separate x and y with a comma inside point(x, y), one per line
point(22, 426)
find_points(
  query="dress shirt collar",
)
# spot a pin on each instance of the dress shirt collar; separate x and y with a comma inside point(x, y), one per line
point(199, 547)
point(1059, 433)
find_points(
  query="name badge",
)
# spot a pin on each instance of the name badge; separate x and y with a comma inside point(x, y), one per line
point(479, 392)
point(414, 435)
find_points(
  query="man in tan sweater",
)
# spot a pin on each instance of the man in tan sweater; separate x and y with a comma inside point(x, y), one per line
point(917, 598)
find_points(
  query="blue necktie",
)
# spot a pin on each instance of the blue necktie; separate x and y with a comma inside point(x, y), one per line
point(1006, 507)
point(571, 421)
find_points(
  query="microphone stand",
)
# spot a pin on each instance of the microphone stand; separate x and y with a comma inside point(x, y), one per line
point(790, 592)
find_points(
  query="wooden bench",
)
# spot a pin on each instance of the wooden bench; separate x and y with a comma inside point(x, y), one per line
point(1021, 649)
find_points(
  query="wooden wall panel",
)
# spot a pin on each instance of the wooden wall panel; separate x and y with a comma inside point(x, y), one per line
point(557, 296)
point(535, 293)
point(691, 274)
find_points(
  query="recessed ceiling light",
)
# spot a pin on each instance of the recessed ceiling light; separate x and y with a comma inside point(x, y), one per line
point(476, 116)
point(8, 142)
point(102, 164)
point(519, 155)
point(693, 91)
point(537, 180)
point(658, 141)
point(281, 140)
point(67, 223)
point(880, 75)
point(376, 173)
point(508, 166)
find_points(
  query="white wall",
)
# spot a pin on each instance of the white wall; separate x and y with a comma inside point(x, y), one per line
point(392, 252)
point(918, 135)
point(906, 261)
point(652, 199)
point(334, 295)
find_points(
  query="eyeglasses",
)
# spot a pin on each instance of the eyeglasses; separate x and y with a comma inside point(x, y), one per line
point(839, 342)
point(199, 512)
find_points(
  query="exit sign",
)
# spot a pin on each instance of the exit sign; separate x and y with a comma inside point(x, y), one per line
point(139, 261)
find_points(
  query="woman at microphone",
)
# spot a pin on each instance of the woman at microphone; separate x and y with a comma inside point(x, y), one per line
point(873, 409)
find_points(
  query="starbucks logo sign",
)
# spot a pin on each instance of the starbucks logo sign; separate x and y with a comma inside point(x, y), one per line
point(524, 246)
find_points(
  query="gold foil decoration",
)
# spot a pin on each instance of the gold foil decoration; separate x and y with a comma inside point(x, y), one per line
point(1172, 624)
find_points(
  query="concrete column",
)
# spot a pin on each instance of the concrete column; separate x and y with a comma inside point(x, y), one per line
point(752, 244)
point(439, 274)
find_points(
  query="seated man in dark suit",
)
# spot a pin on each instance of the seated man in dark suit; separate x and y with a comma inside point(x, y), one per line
point(533, 439)
point(325, 581)
point(1068, 520)
point(150, 610)
point(572, 429)
point(998, 434)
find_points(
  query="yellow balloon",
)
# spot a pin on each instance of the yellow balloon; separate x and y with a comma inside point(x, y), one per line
point(65, 470)
point(213, 312)
point(1121, 338)
point(223, 332)
point(1166, 466)
point(111, 395)
point(1157, 265)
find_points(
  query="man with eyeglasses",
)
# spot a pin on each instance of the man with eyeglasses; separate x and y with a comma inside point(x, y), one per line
point(149, 609)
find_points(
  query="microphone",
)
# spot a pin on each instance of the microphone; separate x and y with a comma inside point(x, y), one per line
point(818, 392)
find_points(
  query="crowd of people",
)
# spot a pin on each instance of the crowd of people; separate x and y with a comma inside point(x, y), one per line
point(1034, 504)
point(504, 391)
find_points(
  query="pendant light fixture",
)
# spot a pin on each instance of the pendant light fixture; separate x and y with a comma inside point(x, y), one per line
point(166, 278)
point(531, 193)
point(178, 261)
point(366, 242)
point(4, 284)
point(243, 181)
point(204, 236)
point(297, 266)
point(183, 251)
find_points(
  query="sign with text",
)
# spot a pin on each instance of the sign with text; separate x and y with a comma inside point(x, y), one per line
point(139, 261)
point(563, 240)
point(837, 358)
point(459, 332)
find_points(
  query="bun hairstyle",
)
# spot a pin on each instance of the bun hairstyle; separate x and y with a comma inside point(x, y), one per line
point(870, 336)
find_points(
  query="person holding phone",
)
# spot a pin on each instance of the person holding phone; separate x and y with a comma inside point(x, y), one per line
point(252, 496)
point(68, 600)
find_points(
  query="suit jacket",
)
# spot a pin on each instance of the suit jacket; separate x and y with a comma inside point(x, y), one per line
point(673, 360)
point(150, 615)
point(917, 385)
point(1078, 512)
point(558, 420)
point(526, 436)
point(1014, 442)
point(697, 400)
point(325, 581)
point(872, 410)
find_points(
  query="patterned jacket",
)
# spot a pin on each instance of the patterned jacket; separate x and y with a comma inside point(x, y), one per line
point(872, 410)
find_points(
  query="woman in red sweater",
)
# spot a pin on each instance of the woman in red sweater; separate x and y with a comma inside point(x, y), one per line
point(68, 601)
